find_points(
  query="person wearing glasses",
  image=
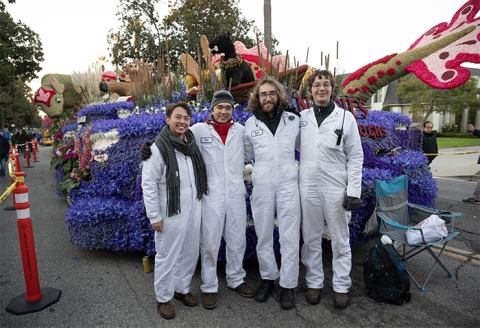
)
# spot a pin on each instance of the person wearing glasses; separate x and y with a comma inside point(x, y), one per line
point(331, 160)
point(270, 135)
point(429, 142)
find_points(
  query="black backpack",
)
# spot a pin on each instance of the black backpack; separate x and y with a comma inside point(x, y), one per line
point(386, 278)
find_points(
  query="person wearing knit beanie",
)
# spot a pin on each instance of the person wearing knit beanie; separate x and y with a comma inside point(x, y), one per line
point(222, 96)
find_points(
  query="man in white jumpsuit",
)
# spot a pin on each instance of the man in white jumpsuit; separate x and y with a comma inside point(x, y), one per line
point(331, 160)
point(220, 141)
point(270, 136)
point(176, 169)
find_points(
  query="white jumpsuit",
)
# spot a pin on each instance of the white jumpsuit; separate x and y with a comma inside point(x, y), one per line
point(178, 245)
point(275, 189)
point(327, 171)
point(224, 209)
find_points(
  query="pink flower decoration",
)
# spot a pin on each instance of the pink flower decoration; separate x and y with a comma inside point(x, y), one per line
point(372, 79)
point(364, 88)
point(391, 71)
point(380, 74)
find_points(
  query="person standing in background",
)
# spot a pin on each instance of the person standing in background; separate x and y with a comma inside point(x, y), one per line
point(429, 142)
point(24, 140)
point(4, 148)
point(475, 199)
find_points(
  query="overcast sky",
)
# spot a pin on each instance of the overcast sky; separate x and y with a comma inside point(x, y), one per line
point(73, 33)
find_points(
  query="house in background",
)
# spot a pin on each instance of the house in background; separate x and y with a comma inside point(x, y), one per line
point(386, 97)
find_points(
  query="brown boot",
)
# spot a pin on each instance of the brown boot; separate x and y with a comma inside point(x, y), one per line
point(245, 290)
point(187, 299)
point(166, 310)
point(209, 300)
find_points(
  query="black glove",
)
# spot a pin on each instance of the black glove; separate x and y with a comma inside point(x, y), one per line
point(146, 151)
point(351, 203)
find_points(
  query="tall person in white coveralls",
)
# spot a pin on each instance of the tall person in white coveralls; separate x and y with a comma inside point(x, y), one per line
point(220, 141)
point(174, 180)
point(331, 160)
point(270, 136)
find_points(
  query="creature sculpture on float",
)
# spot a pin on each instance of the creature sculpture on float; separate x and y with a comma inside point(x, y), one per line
point(55, 94)
point(236, 70)
point(434, 58)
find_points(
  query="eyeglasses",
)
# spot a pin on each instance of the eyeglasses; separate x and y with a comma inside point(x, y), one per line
point(318, 85)
point(227, 108)
point(271, 94)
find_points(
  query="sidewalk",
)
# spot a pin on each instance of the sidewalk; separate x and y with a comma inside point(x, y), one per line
point(449, 164)
point(102, 288)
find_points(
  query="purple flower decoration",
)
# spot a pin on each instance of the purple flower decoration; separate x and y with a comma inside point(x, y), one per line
point(108, 212)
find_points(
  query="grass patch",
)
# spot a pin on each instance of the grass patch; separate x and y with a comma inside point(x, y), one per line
point(457, 142)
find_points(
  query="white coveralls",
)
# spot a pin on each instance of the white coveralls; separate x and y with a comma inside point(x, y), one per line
point(178, 245)
point(327, 171)
point(223, 209)
point(275, 188)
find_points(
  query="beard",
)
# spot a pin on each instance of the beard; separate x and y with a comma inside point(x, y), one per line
point(269, 107)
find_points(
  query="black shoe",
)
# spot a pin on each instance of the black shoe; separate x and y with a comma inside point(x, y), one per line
point(287, 298)
point(313, 295)
point(264, 290)
point(471, 200)
point(341, 300)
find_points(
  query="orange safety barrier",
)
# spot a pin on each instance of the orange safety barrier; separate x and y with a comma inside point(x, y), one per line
point(27, 154)
point(35, 149)
point(35, 299)
point(17, 160)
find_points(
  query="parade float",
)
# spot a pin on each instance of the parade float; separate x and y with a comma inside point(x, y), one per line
point(97, 156)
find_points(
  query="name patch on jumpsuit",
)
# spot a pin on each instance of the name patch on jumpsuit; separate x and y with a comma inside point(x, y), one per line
point(257, 133)
point(206, 140)
point(303, 123)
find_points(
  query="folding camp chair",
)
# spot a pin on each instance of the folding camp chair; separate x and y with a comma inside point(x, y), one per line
point(397, 215)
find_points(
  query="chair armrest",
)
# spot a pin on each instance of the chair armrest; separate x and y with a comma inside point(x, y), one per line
point(441, 213)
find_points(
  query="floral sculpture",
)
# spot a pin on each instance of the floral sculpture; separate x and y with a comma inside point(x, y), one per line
point(107, 208)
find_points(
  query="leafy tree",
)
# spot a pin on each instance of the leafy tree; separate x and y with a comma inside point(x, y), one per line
point(2, 5)
point(189, 19)
point(139, 37)
point(143, 36)
point(20, 51)
point(20, 57)
point(424, 100)
point(17, 105)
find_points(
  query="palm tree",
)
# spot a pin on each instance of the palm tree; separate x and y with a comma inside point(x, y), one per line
point(267, 23)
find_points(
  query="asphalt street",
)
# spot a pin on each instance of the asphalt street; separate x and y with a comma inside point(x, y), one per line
point(102, 288)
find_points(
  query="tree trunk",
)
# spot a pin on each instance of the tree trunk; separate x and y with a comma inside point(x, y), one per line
point(267, 23)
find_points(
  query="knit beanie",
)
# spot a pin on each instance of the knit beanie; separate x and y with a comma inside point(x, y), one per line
point(222, 96)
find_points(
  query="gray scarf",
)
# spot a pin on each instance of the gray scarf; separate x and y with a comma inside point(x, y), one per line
point(167, 142)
